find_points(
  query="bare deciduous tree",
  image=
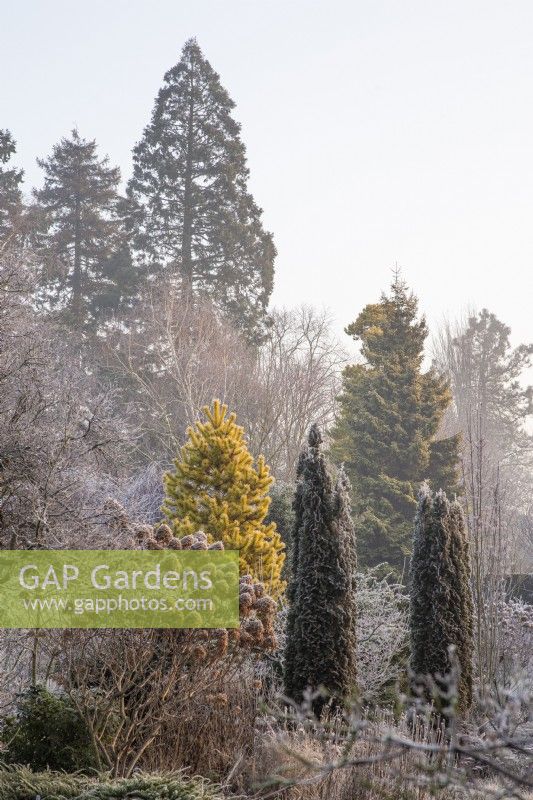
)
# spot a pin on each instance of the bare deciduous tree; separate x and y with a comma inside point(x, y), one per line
point(490, 409)
point(180, 355)
point(60, 433)
point(130, 685)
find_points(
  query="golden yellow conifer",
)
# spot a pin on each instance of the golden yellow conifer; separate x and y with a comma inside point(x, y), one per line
point(216, 487)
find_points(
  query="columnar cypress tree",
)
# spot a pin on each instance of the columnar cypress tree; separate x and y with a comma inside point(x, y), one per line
point(441, 598)
point(10, 193)
point(217, 488)
point(320, 650)
point(88, 269)
point(343, 490)
point(192, 215)
point(390, 413)
point(461, 601)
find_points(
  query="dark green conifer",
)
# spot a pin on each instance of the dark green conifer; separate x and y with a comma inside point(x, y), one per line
point(321, 642)
point(10, 192)
point(461, 601)
point(192, 216)
point(87, 270)
point(441, 612)
point(389, 420)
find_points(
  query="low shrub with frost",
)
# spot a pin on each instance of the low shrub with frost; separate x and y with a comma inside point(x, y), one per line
point(382, 633)
point(516, 644)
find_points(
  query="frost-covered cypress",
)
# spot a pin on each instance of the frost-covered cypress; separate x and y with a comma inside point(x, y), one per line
point(320, 650)
point(461, 601)
point(441, 596)
point(343, 489)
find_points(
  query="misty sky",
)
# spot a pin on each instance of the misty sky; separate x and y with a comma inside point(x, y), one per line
point(377, 132)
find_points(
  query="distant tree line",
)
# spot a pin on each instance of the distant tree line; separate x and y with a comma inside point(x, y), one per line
point(187, 215)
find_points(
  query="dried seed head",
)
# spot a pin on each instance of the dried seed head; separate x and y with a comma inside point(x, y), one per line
point(174, 544)
point(163, 534)
point(151, 544)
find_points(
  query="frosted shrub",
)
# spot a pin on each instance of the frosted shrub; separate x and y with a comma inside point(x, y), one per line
point(516, 647)
point(382, 633)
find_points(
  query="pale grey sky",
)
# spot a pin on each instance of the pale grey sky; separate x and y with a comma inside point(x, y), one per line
point(377, 131)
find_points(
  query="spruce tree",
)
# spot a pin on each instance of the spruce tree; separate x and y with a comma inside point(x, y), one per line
point(87, 269)
point(191, 212)
point(390, 414)
point(217, 488)
point(320, 650)
point(10, 190)
point(441, 612)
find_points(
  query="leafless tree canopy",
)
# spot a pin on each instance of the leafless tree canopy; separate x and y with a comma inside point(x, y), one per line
point(59, 431)
point(181, 354)
point(491, 408)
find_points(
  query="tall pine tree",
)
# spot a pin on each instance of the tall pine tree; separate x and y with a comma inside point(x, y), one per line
point(10, 190)
point(191, 212)
point(321, 638)
point(217, 488)
point(87, 269)
point(390, 414)
point(441, 595)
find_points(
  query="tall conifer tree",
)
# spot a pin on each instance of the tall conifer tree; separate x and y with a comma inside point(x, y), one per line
point(10, 191)
point(216, 487)
point(192, 215)
point(87, 265)
point(390, 414)
point(320, 650)
point(441, 595)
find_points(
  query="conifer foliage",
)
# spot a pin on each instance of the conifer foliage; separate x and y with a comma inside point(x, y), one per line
point(192, 216)
point(87, 268)
point(390, 413)
point(441, 613)
point(10, 193)
point(216, 487)
point(321, 639)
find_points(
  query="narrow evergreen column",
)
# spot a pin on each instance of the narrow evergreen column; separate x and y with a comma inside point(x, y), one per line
point(321, 640)
point(441, 595)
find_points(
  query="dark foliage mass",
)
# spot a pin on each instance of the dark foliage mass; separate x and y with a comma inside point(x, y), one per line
point(191, 213)
point(387, 430)
point(10, 189)
point(441, 596)
point(320, 650)
point(86, 268)
point(47, 732)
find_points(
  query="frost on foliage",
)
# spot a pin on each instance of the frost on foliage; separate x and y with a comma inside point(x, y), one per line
point(321, 626)
point(382, 633)
point(441, 608)
point(516, 647)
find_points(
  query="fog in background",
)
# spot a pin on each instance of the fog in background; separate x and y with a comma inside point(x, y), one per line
point(377, 132)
